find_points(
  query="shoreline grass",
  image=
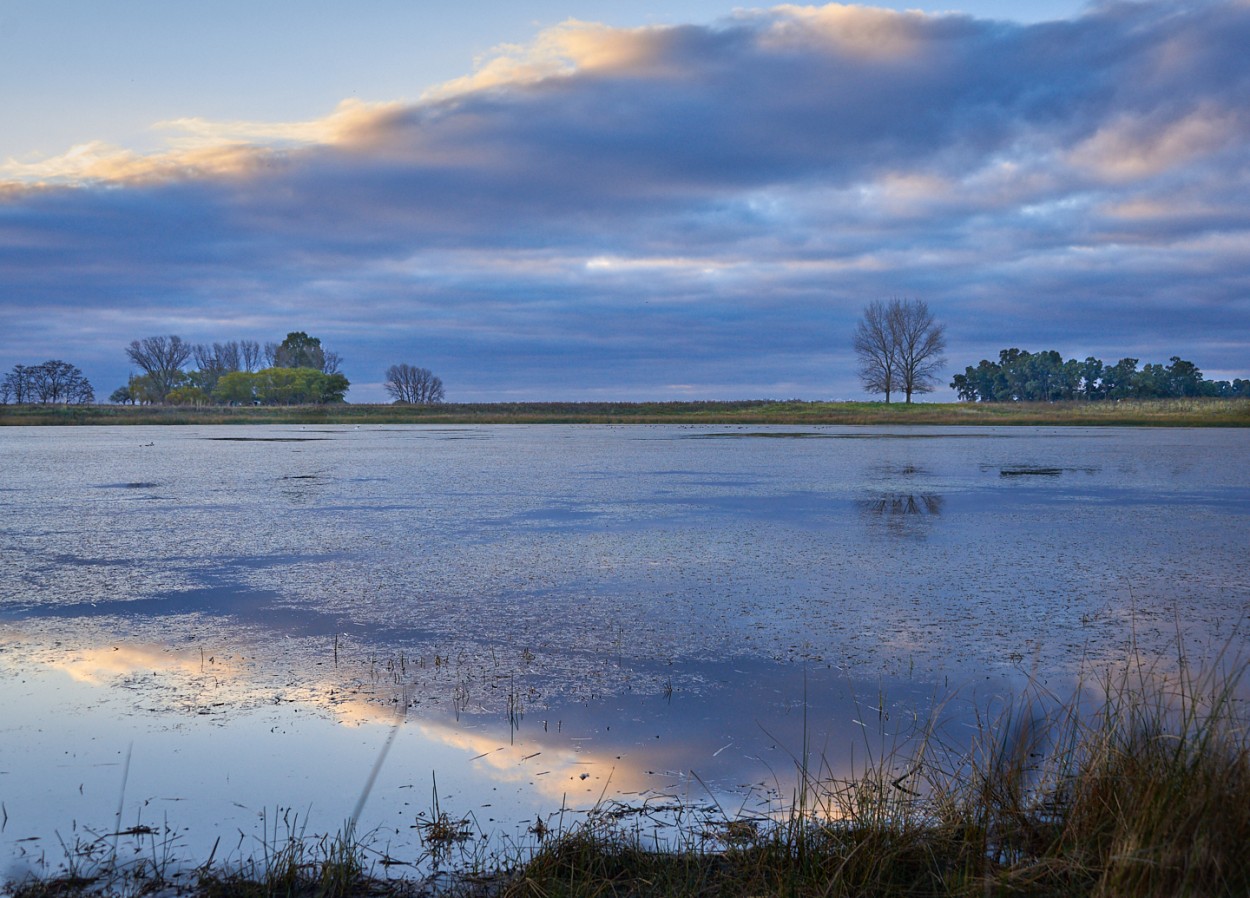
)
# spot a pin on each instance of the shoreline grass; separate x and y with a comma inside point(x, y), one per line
point(1145, 793)
point(1144, 413)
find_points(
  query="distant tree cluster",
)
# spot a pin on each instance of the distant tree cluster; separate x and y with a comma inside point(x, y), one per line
point(53, 382)
point(299, 372)
point(899, 347)
point(410, 384)
point(1022, 376)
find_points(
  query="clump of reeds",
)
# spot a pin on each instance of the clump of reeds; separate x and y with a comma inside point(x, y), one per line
point(286, 865)
point(1148, 793)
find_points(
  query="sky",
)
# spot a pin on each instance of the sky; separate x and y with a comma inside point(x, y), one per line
point(597, 200)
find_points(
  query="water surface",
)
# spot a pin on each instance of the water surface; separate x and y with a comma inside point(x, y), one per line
point(560, 614)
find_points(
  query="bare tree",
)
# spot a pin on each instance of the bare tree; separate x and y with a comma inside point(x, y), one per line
point(899, 346)
point(161, 359)
point(50, 383)
point(220, 358)
point(407, 383)
point(229, 356)
point(204, 355)
point(16, 386)
point(876, 349)
point(249, 355)
point(920, 342)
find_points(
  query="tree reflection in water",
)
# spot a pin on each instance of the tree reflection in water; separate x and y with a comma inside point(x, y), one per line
point(904, 514)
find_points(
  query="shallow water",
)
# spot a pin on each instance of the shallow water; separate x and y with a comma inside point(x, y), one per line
point(669, 611)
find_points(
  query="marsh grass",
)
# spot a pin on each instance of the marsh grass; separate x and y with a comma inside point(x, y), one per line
point(1153, 412)
point(1145, 793)
point(1138, 785)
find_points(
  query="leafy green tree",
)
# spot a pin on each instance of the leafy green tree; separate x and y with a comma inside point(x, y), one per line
point(1045, 377)
point(1012, 383)
point(965, 386)
point(1120, 379)
point(299, 350)
point(236, 388)
point(1091, 378)
point(1183, 378)
point(1042, 376)
point(144, 391)
point(984, 383)
point(1151, 382)
point(298, 386)
point(188, 395)
point(334, 388)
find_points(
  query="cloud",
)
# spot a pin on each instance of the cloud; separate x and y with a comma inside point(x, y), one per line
point(624, 209)
point(1134, 149)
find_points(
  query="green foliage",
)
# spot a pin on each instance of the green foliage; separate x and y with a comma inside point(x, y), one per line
point(281, 386)
point(145, 390)
point(188, 395)
point(299, 350)
point(298, 386)
point(333, 388)
point(1022, 376)
point(236, 388)
point(301, 372)
point(122, 396)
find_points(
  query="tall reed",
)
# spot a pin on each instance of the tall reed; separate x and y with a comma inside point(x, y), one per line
point(1147, 792)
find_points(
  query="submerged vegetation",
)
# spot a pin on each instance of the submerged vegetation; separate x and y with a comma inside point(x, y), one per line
point(1144, 790)
point(1197, 412)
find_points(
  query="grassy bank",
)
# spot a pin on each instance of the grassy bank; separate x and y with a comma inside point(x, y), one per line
point(1150, 413)
point(1148, 794)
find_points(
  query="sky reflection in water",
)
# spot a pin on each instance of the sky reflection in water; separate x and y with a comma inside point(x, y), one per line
point(561, 613)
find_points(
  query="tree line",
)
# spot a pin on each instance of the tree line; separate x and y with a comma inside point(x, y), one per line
point(1022, 376)
point(53, 382)
point(298, 371)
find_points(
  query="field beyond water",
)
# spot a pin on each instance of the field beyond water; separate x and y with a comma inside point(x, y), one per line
point(1143, 413)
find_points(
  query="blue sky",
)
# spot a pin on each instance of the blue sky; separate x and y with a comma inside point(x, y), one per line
point(583, 199)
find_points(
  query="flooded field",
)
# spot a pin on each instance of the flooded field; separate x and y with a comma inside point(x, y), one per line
point(211, 636)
